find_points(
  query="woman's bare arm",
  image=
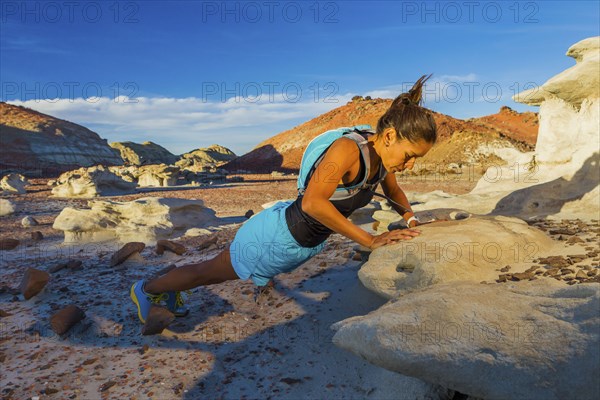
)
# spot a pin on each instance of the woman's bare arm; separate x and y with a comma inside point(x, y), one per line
point(338, 160)
point(394, 192)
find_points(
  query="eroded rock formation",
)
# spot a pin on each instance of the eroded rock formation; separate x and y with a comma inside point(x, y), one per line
point(143, 220)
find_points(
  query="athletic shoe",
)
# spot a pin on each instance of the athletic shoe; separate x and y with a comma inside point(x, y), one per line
point(144, 300)
point(175, 303)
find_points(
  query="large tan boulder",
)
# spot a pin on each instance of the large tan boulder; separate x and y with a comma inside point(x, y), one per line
point(522, 340)
point(143, 153)
point(129, 173)
point(91, 182)
point(202, 159)
point(460, 250)
point(14, 183)
point(144, 220)
point(157, 175)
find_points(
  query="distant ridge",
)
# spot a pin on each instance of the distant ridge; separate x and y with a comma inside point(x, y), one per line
point(36, 144)
point(283, 152)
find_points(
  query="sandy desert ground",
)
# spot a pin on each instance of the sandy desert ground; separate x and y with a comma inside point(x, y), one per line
point(234, 344)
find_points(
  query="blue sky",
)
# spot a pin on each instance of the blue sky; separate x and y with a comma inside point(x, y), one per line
point(187, 74)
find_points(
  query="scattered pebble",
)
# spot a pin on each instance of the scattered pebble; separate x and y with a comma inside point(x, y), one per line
point(66, 318)
point(8, 244)
point(107, 385)
point(33, 282)
point(36, 236)
point(171, 246)
point(158, 319)
point(125, 252)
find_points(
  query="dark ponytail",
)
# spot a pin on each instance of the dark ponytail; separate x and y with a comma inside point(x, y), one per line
point(408, 118)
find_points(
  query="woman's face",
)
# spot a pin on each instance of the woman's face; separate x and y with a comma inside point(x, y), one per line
point(401, 154)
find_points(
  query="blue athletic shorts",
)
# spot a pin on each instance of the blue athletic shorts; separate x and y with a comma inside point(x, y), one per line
point(264, 247)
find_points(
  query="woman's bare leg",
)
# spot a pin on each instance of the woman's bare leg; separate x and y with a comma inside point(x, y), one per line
point(215, 270)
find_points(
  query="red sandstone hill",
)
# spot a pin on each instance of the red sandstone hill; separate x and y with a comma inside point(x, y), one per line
point(283, 152)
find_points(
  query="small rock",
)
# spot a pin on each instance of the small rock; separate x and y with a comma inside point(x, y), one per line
point(290, 381)
point(521, 276)
point(29, 221)
point(555, 261)
point(8, 244)
point(565, 271)
point(125, 252)
point(4, 314)
point(563, 231)
point(57, 267)
point(75, 265)
point(33, 282)
point(144, 349)
point(505, 269)
point(375, 225)
point(66, 318)
point(173, 247)
point(595, 278)
point(581, 274)
point(37, 235)
point(158, 319)
point(575, 239)
point(357, 257)
point(89, 361)
point(576, 258)
point(107, 385)
point(532, 268)
point(249, 213)
point(207, 243)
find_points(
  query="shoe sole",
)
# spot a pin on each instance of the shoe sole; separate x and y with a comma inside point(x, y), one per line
point(135, 300)
point(179, 315)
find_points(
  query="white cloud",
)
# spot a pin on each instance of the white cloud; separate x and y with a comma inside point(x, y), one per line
point(183, 124)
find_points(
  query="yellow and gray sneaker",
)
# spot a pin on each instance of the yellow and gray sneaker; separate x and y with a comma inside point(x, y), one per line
point(175, 303)
point(144, 300)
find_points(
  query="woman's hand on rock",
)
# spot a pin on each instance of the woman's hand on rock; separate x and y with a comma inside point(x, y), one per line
point(393, 237)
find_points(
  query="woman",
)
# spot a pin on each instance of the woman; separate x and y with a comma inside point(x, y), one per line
point(282, 237)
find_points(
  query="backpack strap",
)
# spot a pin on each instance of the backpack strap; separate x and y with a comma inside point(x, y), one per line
point(347, 192)
point(344, 193)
